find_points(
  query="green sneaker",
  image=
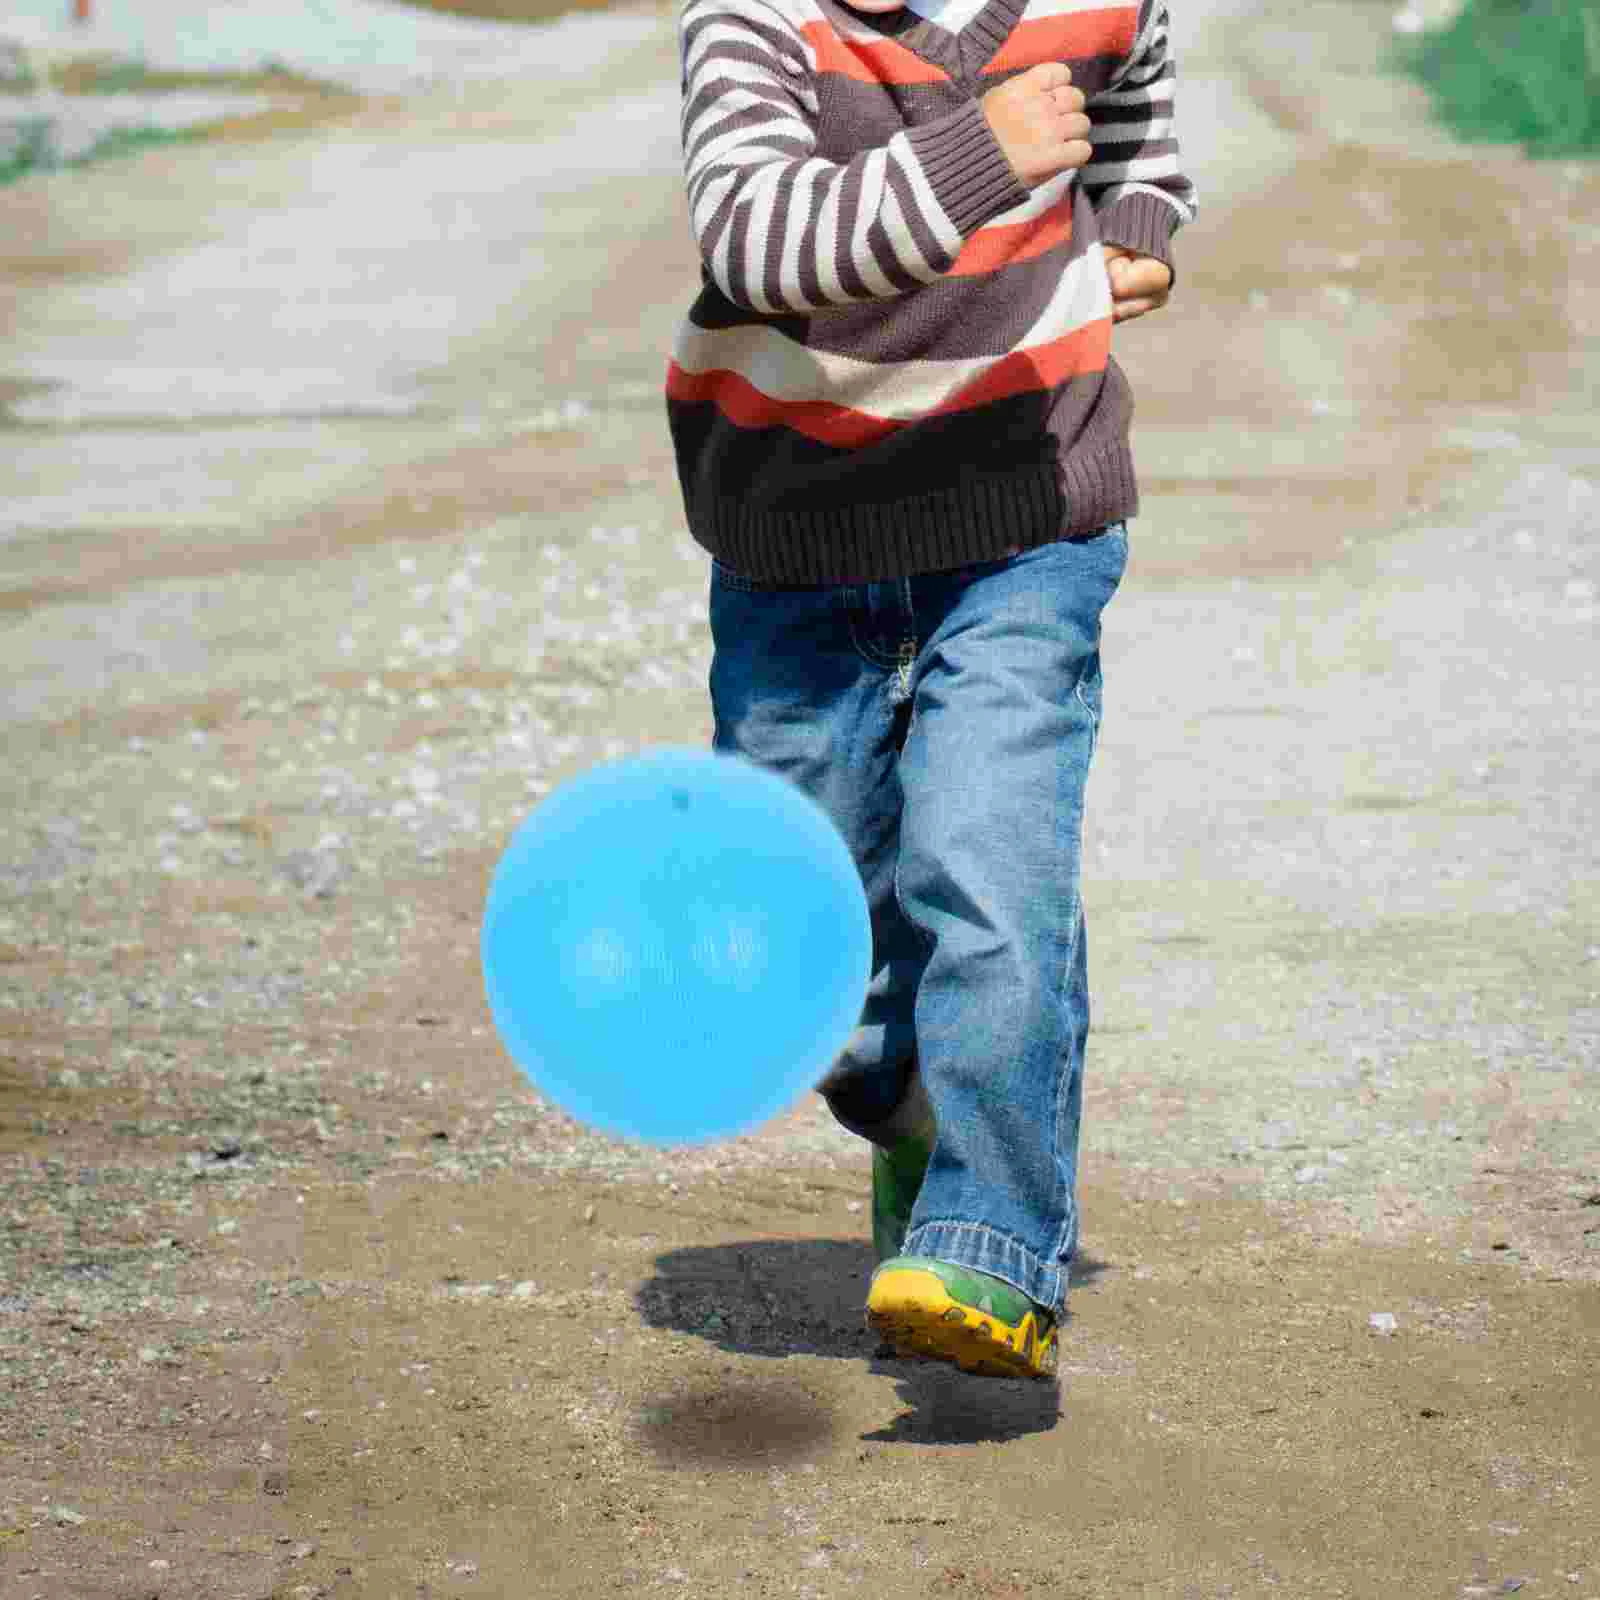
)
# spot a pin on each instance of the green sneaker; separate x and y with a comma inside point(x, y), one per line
point(901, 1147)
point(944, 1312)
point(897, 1175)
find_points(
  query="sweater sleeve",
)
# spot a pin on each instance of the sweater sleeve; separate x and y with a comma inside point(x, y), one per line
point(782, 230)
point(1134, 178)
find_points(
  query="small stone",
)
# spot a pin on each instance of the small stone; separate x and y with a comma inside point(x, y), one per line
point(1383, 1323)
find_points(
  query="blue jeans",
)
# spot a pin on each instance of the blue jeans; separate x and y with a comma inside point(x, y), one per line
point(946, 722)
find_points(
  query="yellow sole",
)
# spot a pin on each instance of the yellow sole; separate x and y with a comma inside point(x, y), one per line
point(912, 1310)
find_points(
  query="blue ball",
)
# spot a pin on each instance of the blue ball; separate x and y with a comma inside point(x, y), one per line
point(676, 946)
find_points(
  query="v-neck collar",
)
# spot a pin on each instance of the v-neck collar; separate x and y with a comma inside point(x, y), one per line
point(963, 55)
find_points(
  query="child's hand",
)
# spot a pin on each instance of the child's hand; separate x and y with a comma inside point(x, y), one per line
point(1138, 283)
point(1038, 119)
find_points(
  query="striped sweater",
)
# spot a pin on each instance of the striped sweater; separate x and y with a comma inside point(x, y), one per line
point(900, 358)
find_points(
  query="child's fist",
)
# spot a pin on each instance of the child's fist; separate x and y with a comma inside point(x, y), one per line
point(1038, 119)
point(1138, 283)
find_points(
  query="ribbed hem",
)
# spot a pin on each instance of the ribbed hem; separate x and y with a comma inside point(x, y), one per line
point(966, 168)
point(983, 518)
point(1142, 223)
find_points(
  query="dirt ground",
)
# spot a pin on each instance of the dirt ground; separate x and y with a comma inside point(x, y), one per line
point(338, 524)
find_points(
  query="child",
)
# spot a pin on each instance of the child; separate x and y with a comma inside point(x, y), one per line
point(902, 438)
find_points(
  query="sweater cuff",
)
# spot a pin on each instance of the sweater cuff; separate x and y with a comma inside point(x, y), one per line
point(966, 168)
point(1141, 223)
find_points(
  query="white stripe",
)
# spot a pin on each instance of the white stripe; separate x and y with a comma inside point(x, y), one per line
point(708, 57)
point(1147, 132)
point(800, 204)
point(828, 283)
point(872, 171)
point(895, 221)
point(939, 224)
point(711, 40)
point(1045, 198)
point(901, 240)
point(898, 391)
point(1185, 212)
point(757, 203)
point(1082, 295)
point(721, 255)
point(711, 195)
point(1130, 171)
point(1160, 92)
point(734, 144)
point(743, 78)
point(1148, 50)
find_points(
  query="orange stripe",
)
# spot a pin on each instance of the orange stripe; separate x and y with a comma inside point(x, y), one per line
point(877, 61)
point(746, 406)
point(1004, 244)
point(1075, 37)
point(1076, 354)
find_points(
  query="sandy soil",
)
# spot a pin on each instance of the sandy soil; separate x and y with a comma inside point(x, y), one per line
point(338, 525)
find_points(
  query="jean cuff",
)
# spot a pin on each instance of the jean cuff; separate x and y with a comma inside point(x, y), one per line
point(980, 1248)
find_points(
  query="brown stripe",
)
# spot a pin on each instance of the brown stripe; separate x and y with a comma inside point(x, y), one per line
point(777, 235)
point(922, 236)
point(780, 42)
point(810, 281)
point(849, 188)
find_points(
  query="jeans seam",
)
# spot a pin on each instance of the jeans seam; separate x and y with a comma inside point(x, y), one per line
point(882, 661)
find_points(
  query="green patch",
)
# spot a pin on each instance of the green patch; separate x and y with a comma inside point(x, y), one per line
point(89, 74)
point(1521, 72)
point(34, 153)
point(301, 102)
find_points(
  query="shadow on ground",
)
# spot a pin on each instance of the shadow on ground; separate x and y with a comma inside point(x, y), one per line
point(789, 1297)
